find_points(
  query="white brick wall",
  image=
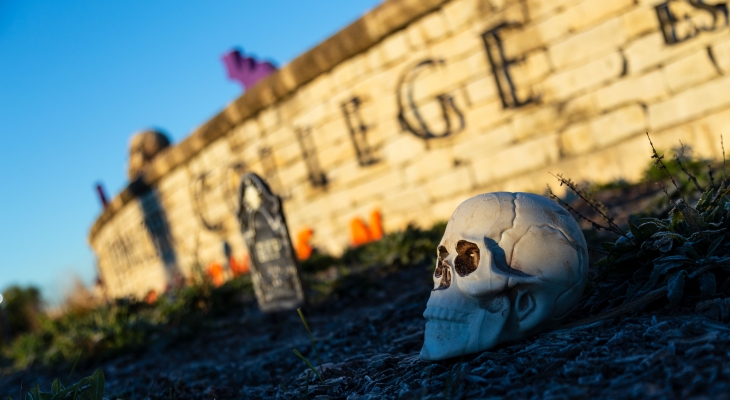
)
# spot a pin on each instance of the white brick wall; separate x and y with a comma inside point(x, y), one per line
point(603, 76)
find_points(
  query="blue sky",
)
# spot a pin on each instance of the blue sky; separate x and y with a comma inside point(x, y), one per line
point(77, 78)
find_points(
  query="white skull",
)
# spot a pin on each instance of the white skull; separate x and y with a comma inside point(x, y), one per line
point(509, 265)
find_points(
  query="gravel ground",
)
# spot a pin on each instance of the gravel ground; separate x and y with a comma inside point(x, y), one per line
point(369, 345)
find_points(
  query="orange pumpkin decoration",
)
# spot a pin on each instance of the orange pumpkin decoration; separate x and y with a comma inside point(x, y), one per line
point(215, 272)
point(302, 246)
point(151, 297)
point(359, 232)
point(240, 268)
point(376, 226)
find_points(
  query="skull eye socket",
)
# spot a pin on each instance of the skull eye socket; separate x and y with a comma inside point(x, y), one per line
point(467, 259)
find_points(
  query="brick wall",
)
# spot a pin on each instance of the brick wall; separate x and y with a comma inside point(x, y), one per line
point(574, 88)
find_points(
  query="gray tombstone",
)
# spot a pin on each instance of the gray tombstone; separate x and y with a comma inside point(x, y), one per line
point(273, 266)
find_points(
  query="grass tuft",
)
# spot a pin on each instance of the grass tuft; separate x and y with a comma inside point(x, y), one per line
point(311, 338)
point(89, 388)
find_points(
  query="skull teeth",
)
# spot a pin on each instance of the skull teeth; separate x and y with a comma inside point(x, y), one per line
point(454, 328)
point(435, 313)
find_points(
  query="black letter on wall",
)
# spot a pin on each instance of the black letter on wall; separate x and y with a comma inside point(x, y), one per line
point(201, 186)
point(669, 21)
point(448, 107)
point(309, 153)
point(358, 132)
point(231, 181)
point(500, 67)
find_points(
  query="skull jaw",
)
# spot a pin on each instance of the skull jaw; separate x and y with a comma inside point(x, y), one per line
point(446, 336)
point(443, 342)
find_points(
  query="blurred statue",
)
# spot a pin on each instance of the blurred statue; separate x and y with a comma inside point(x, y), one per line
point(143, 148)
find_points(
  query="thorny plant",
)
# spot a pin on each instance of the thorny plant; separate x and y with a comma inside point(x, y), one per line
point(680, 256)
point(587, 197)
point(311, 338)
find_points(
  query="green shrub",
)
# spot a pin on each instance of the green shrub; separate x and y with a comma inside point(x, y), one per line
point(681, 256)
point(396, 250)
point(124, 325)
point(361, 268)
point(23, 309)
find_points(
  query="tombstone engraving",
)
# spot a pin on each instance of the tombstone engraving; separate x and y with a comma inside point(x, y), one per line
point(273, 266)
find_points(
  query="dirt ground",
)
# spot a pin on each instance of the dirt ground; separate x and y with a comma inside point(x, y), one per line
point(370, 337)
point(369, 345)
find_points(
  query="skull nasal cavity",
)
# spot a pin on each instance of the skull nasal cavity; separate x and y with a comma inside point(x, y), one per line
point(467, 259)
point(443, 253)
point(443, 268)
